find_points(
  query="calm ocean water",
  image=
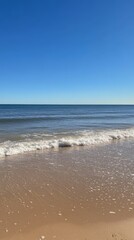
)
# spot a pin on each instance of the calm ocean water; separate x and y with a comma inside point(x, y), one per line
point(31, 127)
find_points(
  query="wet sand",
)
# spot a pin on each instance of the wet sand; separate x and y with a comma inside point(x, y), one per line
point(70, 193)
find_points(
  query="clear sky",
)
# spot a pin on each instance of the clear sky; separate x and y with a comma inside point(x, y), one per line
point(67, 51)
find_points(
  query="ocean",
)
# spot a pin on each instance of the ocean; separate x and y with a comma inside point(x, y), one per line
point(66, 172)
point(25, 128)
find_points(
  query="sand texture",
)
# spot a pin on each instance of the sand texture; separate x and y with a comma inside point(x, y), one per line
point(69, 194)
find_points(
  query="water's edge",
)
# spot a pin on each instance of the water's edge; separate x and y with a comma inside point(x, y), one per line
point(79, 138)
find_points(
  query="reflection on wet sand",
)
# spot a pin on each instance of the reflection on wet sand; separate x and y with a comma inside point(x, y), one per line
point(68, 188)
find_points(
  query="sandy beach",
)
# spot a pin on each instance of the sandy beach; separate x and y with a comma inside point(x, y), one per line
point(66, 120)
point(122, 230)
point(70, 193)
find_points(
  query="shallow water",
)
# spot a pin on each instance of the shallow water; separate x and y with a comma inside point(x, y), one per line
point(26, 128)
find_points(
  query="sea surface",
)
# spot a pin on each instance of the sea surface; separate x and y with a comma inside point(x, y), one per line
point(25, 128)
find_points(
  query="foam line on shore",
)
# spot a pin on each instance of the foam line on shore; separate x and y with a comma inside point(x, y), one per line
point(81, 138)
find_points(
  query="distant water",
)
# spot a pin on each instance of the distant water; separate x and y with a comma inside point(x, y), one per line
point(34, 127)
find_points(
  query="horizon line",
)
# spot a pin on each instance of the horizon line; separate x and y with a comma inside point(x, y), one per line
point(67, 104)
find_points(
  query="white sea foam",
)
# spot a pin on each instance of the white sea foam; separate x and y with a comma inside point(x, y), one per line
point(80, 138)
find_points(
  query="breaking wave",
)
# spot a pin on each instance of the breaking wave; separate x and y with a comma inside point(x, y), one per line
point(80, 138)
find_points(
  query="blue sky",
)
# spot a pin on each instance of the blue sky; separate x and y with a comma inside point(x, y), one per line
point(73, 51)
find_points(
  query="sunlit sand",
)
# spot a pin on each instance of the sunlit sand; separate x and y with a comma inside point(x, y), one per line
point(73, 193)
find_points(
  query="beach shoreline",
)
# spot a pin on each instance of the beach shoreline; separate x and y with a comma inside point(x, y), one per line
point(69, 193)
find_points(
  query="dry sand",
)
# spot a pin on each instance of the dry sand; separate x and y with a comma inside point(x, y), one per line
point(69, 194)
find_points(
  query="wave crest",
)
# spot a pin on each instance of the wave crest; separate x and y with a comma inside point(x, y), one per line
point(82, 138)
